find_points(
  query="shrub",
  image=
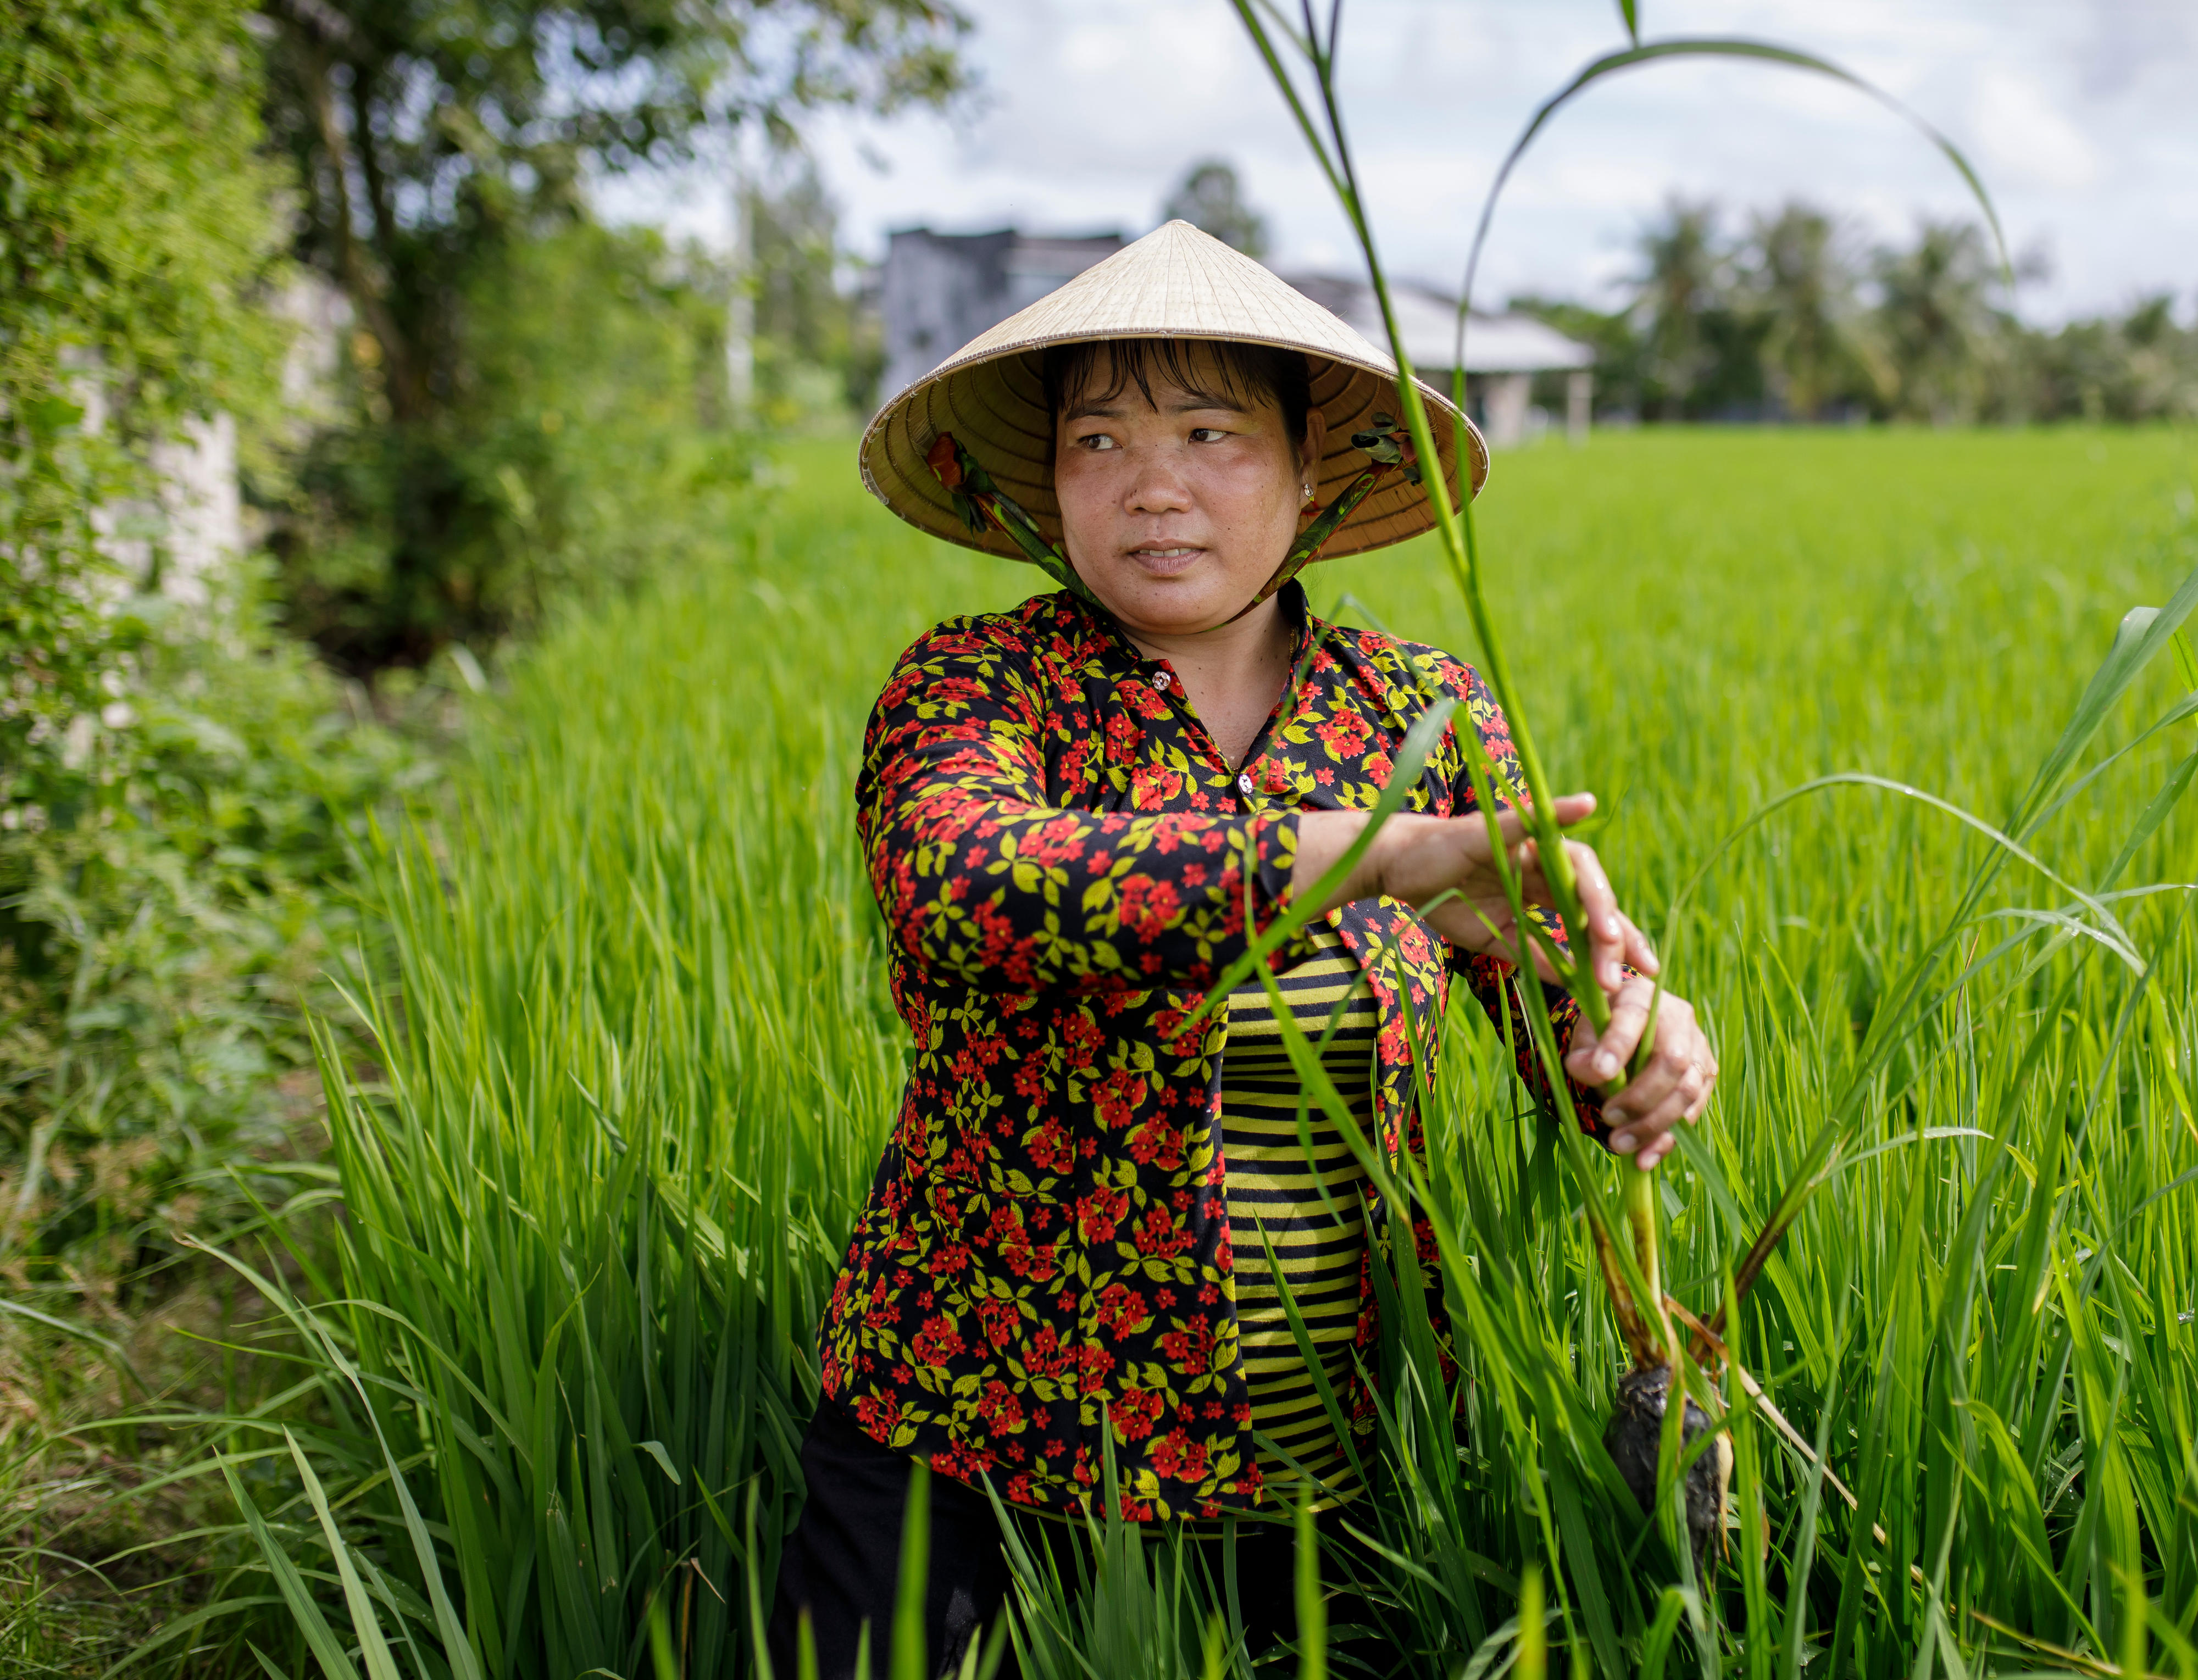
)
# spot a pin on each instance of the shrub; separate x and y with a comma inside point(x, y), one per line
point(583, 444)
point(171, 775)
point(164, 920)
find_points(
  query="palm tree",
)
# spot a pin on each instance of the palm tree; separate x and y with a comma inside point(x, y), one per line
point(1683, 294)
point(1935, 314)
point(1800, 279)
point(1211, 198)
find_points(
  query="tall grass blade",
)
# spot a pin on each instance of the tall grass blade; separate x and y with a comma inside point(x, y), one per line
point(910, 1658)
point(1727, 46)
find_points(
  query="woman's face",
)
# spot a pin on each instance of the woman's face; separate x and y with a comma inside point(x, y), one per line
point(1177, 511)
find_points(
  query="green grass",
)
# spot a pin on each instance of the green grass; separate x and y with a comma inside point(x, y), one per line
point(639, 1057)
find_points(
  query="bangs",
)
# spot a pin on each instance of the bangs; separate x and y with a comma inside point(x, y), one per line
point(1242, 376)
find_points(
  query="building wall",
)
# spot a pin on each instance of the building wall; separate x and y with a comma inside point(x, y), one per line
point(936, 294)
point(938, 291)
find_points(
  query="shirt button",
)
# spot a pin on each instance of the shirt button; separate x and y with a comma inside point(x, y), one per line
point(1161, 681)
point(1244, 784)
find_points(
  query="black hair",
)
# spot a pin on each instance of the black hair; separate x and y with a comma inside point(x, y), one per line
point(1240, 371)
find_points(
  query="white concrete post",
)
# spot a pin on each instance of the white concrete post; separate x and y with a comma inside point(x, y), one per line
point(740, 309)
point(1506, 404)
point(1579, 405)
point(205, 507)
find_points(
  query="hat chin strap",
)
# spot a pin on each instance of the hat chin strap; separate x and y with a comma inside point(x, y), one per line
point(979, 501)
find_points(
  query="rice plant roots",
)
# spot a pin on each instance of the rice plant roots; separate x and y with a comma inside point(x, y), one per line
point(1635, 1430)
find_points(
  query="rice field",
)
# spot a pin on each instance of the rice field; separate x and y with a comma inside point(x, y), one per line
point(638, 1058)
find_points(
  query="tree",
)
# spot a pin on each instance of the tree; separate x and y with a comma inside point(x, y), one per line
point(431, 140)
point(171, 776)
point(2142, 367)
point(817, 349)
point(140, 224)
point(423, 131)
point(1787, 312)
point(1698, 351)
point(1935, 316)
point(1798, 277)
point(583, 447)
point(1211, 198)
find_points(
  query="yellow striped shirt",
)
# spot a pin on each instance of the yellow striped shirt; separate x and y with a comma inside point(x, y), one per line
point(1274, 1185)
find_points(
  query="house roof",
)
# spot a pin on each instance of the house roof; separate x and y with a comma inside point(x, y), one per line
point(1494, 344)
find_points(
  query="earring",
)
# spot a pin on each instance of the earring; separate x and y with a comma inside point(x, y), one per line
point(1308, 492)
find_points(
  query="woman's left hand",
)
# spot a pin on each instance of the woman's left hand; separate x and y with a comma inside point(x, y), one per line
point(1675, 1085)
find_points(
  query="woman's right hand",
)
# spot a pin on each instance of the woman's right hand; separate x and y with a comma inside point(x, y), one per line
point(1419, 859)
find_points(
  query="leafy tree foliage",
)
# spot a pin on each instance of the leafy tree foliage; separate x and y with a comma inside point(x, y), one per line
point(1211, 198)
point(1683, 292)
point(817, 345)
point(1685, 348)
point(2141, 366)
point(1794, 318)
point(1937, 321)
point(171, 775)
point(139, 220)
point(1798, 277)
point(432, 140)
point(585, 443)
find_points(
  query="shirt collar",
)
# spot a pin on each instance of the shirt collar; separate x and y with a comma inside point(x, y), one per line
point(1297, 613)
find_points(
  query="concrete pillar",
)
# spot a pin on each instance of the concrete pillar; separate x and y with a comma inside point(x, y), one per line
point(740, 307)
point(195, 504)
point(1505, 404)
point(199, 494)
point(1579, 405)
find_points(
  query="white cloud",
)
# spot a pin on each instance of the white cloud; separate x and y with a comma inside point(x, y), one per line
point(2021, 131)
point(1092, 112)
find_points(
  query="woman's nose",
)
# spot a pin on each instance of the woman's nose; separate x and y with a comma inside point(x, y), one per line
point(1158, 489)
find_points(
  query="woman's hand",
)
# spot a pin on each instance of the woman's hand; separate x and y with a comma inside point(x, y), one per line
point(1421, 859)
point(1674, 1084)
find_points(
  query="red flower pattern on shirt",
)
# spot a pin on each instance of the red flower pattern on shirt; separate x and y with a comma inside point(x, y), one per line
point(1065, 862)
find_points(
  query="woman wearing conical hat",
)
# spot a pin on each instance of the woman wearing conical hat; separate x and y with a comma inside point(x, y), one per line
point(1077, 815)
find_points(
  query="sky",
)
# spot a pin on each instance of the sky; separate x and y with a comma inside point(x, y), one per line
point(2080, 115)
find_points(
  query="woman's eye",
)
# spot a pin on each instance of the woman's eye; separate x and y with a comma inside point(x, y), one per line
point(1097, 440)
point(1206, 435)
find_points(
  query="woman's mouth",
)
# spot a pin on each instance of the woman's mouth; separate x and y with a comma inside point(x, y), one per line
point(1166, 558)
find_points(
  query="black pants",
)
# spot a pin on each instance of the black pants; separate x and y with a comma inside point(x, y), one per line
point(842, 1561)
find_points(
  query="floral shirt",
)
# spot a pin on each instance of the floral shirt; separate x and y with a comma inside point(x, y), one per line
point(1061, 853)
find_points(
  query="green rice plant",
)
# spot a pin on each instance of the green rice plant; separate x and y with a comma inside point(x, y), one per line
point(565, 1338)
point(1904, 1036)
point(1626, 1238)
point(641, 994)
point(1515, 1346)
point(1097, 1600)
point(1634, 1278)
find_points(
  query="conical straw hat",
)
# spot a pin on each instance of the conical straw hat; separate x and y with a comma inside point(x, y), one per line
point(1175, 282)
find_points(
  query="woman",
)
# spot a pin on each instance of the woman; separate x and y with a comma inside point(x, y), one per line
point(1076, 816)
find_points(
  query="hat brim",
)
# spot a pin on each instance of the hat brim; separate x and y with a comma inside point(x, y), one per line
point(992, 399)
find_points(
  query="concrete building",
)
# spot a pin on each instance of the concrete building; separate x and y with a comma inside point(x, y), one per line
point(938, 291)
point(1502, 353)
